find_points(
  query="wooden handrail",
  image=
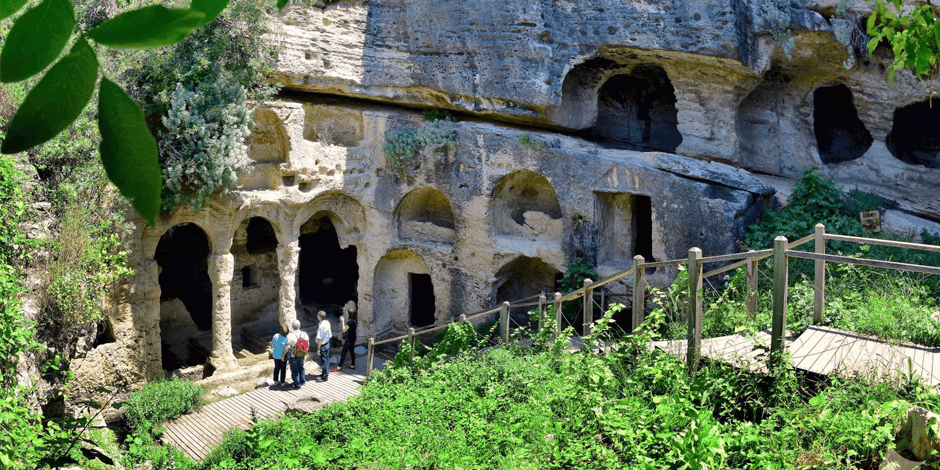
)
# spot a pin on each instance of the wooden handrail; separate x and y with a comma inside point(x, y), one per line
point(735, 256)
point(919, 268)
point(891, 243)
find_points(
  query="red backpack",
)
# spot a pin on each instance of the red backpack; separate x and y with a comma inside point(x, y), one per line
point(301, 347)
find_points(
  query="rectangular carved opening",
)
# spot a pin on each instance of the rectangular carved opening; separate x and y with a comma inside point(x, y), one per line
point(421, 291)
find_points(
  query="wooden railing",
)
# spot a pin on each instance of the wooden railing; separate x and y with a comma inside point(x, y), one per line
point(782, 251)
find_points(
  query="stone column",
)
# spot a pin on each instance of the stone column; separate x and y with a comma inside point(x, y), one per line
point(221, 271)
point(288, 258)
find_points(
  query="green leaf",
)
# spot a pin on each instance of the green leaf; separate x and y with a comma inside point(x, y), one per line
point(55, 102)
point(281, 4)
point(211, 8)
point(128, 150)
point(9, 7)
point(36, 39)
point(147, 27)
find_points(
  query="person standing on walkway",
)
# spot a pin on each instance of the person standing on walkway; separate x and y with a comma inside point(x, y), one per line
point(299, 344)
point(349, 342)
point(280, 367)
point(324, 333)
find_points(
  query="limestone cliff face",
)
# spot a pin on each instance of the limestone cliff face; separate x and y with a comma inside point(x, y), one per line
point(738, 100)
point(602, 130)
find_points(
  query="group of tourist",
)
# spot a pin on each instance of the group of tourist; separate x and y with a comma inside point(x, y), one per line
point(292, 347)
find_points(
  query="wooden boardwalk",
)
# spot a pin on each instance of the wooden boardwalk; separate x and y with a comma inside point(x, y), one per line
point(825, 351)
point(197, 433)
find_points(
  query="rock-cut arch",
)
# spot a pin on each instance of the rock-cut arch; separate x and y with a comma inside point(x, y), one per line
point(426, 214)
point(403, 293)
point(268, 139)
point(522, 278)
point(182, 255)
point(638, 110)
point(525, 205)
point(256, 281)
point(328, 272)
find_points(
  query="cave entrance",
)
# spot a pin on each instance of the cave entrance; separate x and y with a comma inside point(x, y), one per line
point(525, 205)
point(638, 111)
point(525, 278)
point(185, 296)
point(914, 138)
point(421, 293)
point(625, 228)
point(328, 274)
point(840, 134)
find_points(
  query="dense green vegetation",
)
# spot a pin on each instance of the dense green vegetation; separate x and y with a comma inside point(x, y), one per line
point(539, 407)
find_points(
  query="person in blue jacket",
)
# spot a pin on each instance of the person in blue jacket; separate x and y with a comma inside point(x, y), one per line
point(280, 367)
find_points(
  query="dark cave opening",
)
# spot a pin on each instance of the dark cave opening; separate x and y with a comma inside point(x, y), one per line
point(638, 111)
point(328, 274)
point(915, 138)
point(260, 236)
point(183, 256)
point(840, 134)
point(421, 294)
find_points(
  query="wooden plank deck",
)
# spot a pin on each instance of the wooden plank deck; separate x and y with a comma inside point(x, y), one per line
point(825, 351)
point(197, 433)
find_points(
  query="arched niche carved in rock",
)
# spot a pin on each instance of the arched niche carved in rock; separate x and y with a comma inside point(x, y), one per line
point(525, 205)
point(840, 134)
point(403, 293)
point(328, 275)
point(268, 138)
point(185, 296)
point(256, 281)
point(638, 110)
point(915, 138)
point(578, 108)
point(426, 214)
point(522, 278)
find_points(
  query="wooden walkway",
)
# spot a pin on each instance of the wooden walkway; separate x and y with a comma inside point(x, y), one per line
point(825, 351)
point(197, 433)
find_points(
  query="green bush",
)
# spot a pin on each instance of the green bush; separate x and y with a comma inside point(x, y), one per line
point(401, 146)
point(195, 95)
point(623, 407)
point(203, 142)
point(148, 408)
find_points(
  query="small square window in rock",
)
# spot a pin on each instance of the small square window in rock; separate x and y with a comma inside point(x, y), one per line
point(287, 180)
point(248, 278)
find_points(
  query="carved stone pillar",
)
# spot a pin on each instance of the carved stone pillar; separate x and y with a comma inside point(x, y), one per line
point(221, 271)
point(288, 258)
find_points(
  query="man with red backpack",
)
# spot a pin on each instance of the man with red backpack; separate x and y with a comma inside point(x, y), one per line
point(298, 344)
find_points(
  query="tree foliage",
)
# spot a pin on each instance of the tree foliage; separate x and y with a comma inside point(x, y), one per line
point(36, 40)
point(914, 37)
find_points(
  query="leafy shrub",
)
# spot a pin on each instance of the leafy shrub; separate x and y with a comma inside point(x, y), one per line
point(576, 271)
point(160, 401)
point(195, 95)
point(526, 140)
point(401, 147)
point(203, 144)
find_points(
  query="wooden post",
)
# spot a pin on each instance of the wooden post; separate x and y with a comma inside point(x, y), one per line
point(557, 314)
point(694, 334)
point(639, 295)
point(752, 278)
point(504, 322)
point(411, 341)
point(588, 307)
point(604, 301)
point(819, 292)
point(779, 322)
point(542, 301)
point(370, 356)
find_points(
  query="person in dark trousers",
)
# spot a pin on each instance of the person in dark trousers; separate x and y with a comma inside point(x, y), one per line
point(324, 333)
point(279, 342)
point(349, 344)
